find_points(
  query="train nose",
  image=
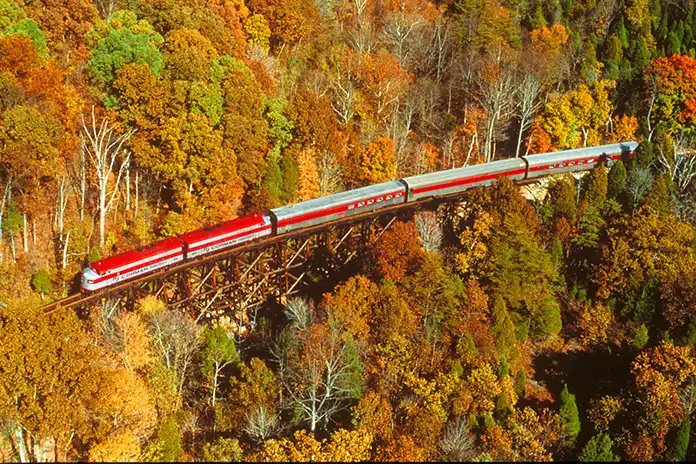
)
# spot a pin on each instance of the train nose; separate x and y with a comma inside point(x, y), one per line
point(87, 282)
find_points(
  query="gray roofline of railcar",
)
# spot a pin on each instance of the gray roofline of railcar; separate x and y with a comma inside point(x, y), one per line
point(466, 171)
point(578, 152)
point(336, 198)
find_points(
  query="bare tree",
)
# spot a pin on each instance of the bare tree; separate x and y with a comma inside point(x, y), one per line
point(457, 443)
point(429, 230)
point(494, 88)
point(106, 8)
point(343, 92)
point(3, 204)
point(176, 339)
point(329, 174)
point(441, 48)
point(528, 103)
point(638, 184)
point(398, 33)
point(319, 370)
point(62, 195)
point(300, 312)
point(680, 164)
point(104, 147)
point(361, 35)
point(261, 424)
point(107, 314)
point(688, 397)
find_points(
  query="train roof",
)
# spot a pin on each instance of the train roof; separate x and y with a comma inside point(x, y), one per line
point(147, 253)
point(338, 199)
point(581, 152)
point(468, 171)
point(238, 226)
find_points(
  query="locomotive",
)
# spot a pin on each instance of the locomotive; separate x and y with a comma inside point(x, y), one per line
point(126, 266)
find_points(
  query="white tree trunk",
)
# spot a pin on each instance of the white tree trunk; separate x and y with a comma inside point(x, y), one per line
point(104, 148)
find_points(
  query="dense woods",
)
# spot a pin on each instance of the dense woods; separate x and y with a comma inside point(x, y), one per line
point(561, 327)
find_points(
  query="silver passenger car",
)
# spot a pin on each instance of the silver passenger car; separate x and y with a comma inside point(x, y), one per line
point(338, 205)
point(580, 159)
point(456, 180)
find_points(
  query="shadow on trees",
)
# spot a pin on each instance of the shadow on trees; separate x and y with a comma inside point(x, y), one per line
point(588, 374)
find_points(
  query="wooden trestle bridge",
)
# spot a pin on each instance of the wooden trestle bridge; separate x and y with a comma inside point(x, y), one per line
point(233, 284)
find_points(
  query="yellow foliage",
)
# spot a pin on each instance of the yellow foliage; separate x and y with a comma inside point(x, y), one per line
point(578, 118)
point(473, 243)
point(149, 304)
point(125, 406)
point(348, 446)
point(308, 175)
point(117, 447)
point(660, 372)
point(625, 128)
point(603, 411)
point(594, 323)
point(377, 161)
point(136, 352)
point(345, 446)
point(549, 40)
point(483, 386)
point(257, 31)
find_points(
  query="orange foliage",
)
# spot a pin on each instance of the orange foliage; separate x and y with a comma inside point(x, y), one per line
point(399, 251)
point(625, 128)
point(376, 162)
point(383, 81)
point(351, 304)
point(403, 448)
point(539, 141)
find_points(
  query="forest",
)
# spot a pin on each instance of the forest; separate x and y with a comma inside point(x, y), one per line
point(561, 327)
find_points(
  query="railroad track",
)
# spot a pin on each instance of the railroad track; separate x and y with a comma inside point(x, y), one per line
point(78, 299)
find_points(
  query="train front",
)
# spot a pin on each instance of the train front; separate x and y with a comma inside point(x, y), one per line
point(88, 282)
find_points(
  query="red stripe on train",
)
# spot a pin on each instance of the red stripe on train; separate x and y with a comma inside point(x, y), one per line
point(231, 237)
point(133, 268)
point(338, 209)
point(467, 180)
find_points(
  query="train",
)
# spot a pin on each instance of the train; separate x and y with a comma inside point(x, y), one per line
point(197, 244)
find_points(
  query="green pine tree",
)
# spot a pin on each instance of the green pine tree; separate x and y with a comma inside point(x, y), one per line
point(598, 449)
point(596, 183)
point(640, 339)
point(291, 177)
point(569, 414)
point(680, 443)
point(503, 328)
point(644, 154)
point(616, 180)
point(659, 195)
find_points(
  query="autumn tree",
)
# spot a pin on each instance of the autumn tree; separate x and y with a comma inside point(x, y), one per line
point(398, 252)
point(218, 352)
point(320, 372)
point(123, 40)
point(49, 384)
point(672, 82)
point(104, 147)
point(375, 163)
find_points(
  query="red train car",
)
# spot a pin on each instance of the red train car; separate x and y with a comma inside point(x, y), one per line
point(133, 263)
point(225, 235)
